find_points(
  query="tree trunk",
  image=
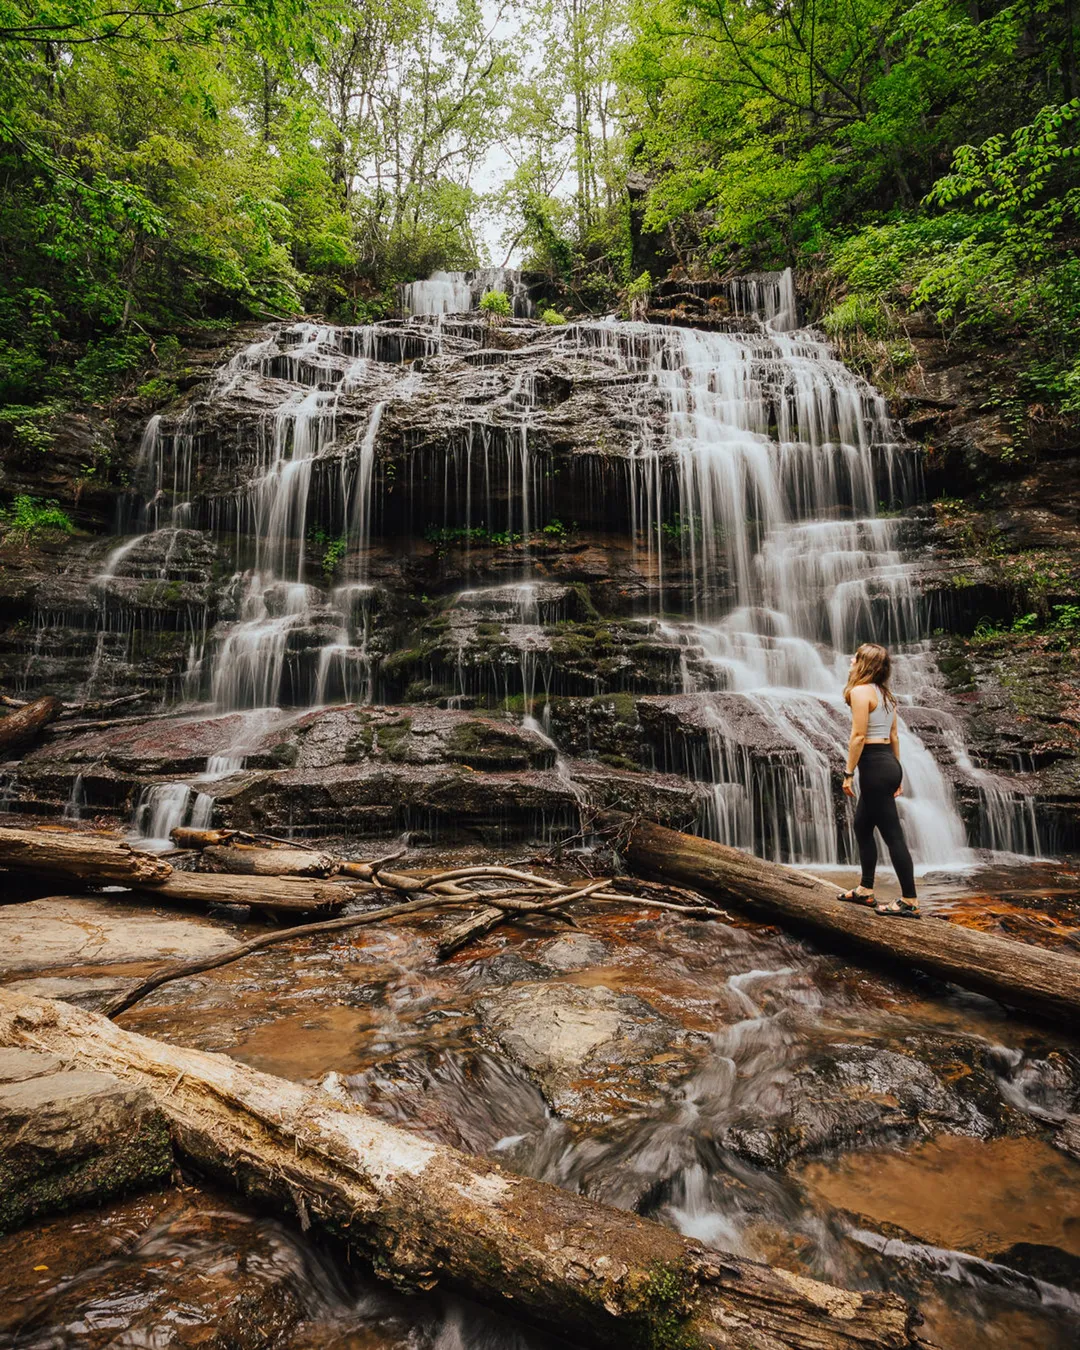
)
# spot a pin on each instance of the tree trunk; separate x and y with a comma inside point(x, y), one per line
point(425, 1215)
point(1042, 982)
point(79, 855)
point(19, 729)
point(246, 860)
point(293, 894)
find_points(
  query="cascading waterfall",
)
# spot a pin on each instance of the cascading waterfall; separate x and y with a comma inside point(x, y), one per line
point(459, 292)
point(765, 472)
point(780, 457)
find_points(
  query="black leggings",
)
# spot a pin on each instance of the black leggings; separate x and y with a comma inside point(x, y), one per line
point(880, 775)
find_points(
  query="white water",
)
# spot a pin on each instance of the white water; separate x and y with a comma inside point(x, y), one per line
point(769, 467)
point(778, 454)
point(460, 292)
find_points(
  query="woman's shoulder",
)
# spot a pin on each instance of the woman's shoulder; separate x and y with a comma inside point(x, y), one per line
point(863, 693)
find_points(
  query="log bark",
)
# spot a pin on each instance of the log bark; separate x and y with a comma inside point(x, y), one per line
point(1038, 981)
point(244, 860)
point(426, 1215)
point(470, 928)
point(296, 895)
point(185, 838)
point(19, 729)
point(81, 856)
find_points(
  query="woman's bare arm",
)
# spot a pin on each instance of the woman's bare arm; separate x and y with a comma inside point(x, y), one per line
point(860, 713)
point(894, 736)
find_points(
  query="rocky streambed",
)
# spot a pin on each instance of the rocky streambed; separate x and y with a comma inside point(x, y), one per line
point(719, 1076)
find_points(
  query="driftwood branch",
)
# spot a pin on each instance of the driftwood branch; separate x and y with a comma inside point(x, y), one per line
point(20, 729)
point(75, 709)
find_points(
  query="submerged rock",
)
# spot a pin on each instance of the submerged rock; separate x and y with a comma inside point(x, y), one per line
point(850, 1095)
point(592, 1052)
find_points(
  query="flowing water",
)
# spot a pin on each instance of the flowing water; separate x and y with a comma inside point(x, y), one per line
point(770, 476)
point(800, 1111)
point(839, 1125)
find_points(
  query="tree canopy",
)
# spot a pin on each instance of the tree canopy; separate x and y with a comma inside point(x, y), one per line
point(169, 163)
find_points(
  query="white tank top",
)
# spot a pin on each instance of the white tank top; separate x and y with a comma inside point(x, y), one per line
point(880, 720)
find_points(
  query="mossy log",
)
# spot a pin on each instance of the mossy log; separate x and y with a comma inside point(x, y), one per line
point(81, 856)
point(425, 1215)
point(1043, 982)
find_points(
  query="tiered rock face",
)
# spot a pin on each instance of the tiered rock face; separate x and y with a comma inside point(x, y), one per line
point(533, 567)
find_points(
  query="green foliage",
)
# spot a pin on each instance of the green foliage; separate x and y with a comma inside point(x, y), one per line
point(937, 166)
point(496, 304)
point(638, 293)
point(334, 555)
point(552, 317)
point(158, 390)
point(191, 165)
point(29, 516)
point(861, 314)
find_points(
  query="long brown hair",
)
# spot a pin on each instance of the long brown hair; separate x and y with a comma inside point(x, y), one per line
point(873, 665)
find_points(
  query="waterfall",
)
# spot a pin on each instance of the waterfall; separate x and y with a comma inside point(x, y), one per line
point(750, 465)
point(778, 456)
point(460, 292)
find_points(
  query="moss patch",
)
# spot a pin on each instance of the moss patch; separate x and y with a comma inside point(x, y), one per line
point(142, 1160)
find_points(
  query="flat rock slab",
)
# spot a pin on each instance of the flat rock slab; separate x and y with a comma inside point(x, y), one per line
point(576, 951)
point(61, 931)
point(85, 991)
point(593, 1053)
point(72, 1136)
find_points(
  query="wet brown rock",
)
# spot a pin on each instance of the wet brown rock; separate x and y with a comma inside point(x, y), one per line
point(169, 1270)
point(593, 1053)
point(68, 1137)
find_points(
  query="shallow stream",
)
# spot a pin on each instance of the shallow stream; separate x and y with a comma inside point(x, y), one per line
point(720, 1077)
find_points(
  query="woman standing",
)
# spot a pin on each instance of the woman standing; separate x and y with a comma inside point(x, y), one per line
point(874, 749)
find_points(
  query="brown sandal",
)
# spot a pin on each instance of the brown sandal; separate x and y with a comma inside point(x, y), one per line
point(899, 909)
point(857, 897)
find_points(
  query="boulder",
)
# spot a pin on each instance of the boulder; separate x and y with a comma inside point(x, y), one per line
point(71, 1137)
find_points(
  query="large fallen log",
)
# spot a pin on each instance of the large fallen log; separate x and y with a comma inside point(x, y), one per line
point(291, 894)
point(19, 729)
point(81, 856)
point(246, 860)
point(424, 1215)
point(1039, 981)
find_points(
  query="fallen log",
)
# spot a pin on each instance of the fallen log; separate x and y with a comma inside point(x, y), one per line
point(276, 894)
point(426, 1215)
point(19, 729)
point(469, 929)
point(246, 860)
point(74, 709)
point(82, 856)
point(186, 838)
point(1039, 981)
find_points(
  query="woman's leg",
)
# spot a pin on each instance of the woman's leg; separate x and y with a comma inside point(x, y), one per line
point(888, 822)
point(864, 837)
